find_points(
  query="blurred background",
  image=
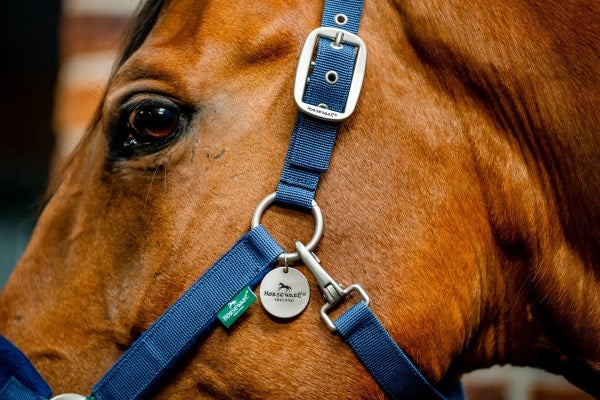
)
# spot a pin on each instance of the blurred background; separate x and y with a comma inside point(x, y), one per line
point(57, 59)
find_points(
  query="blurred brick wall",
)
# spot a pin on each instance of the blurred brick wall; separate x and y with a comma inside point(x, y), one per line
point(511, 383)
point(91, 34)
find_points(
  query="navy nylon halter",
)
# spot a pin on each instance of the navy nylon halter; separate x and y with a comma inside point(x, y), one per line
point(312, 139)
point(189, 320)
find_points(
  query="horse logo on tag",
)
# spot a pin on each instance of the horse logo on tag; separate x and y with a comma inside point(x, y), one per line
point(287, 288)
point(284, 292)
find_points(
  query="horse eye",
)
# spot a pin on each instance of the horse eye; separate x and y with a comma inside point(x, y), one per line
point(148, 123)
point(145, 125)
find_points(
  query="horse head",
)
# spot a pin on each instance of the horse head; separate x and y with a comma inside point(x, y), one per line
point(462, 195)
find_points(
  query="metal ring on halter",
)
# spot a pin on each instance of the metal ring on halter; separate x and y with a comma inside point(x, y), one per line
point(286, 264)
point(316, 213)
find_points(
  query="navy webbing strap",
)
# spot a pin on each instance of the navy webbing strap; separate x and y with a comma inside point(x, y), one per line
point(194, 314)
point(312, 139)
point(18, 377)
point(13, 389)
point(384, 359)
point(308, 156)
point(189, 318)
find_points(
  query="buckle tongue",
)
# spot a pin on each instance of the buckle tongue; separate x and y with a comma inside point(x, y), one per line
point(338, 37)
point(333, 292)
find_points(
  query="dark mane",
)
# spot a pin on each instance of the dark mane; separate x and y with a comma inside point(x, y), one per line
point(139, 27)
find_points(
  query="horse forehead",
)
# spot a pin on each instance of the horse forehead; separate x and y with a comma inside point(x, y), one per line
point(184, 23)
point(195, 44)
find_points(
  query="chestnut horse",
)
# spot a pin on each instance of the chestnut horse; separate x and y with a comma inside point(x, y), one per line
point(462, 195)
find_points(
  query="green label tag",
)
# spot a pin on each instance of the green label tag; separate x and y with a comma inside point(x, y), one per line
point(236, 307)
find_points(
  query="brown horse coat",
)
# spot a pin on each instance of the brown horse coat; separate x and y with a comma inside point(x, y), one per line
point(462, 195)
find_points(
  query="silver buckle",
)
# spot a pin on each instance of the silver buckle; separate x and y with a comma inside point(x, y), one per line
point(339, 37)
point(333, 292)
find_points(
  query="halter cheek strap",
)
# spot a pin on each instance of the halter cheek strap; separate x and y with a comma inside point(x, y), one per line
point(326, 89)
point(326, 93)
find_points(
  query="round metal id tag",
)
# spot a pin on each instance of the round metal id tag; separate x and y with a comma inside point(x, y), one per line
point(284, 292)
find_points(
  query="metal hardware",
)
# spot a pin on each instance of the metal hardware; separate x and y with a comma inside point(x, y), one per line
point(69, 396)
point(345, 37)
point(316, 213)
point(333, 292)
point(286, 264)
point(337, 42)
point(331, 77)
point(340, 19)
